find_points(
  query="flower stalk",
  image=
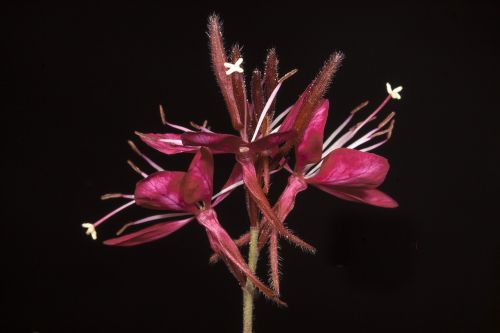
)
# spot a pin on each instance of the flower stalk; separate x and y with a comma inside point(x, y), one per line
point(248, 292)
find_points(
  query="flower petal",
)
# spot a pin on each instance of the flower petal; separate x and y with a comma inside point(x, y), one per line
point(218, 143)
point(289, 120)
point(154, 140)
point(310, 146)
point(197, 184)
point(148, 234)
point(271, 141)
point(351, 168)
point(162, 190)
point(372, 197)
point(222, 244)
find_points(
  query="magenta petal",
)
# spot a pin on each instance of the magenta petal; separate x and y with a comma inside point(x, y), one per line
point(162, 190)
point(271, 141)
point(351, 168)
point(286, 201)
point(218, 143)
point(153, 140)
point(197, 183)
point(372, 197)
point(310, 146)
point(148, 234)
point(289, 120)
point(223, 245)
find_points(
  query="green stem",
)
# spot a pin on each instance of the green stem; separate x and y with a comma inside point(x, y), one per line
point(248, 292)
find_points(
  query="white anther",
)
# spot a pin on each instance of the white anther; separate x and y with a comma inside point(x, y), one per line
point(394, 92)
point(234, 67)
point(90, 230)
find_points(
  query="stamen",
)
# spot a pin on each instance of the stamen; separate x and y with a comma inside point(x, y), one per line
point(270, 101)
point(365, 138)
point(227, 189)
point(116, 195)
point(136, 169)
point(202, 128)
point(389, 134)
point(374, 146)
point(234, 67)
point(281, 116)
point(149, 219)
point(288, 75)
point(359, 107)
point(337, 131)
point(165, 122)
point(387, 119)
point(266, 108)
point(276, 129)
point(147, 159)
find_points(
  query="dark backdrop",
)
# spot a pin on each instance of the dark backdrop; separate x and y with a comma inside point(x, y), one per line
point(82, 78)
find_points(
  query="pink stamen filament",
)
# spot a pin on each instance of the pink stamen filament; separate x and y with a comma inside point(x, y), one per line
point(227, 189)
point(116, 195)
point(348, 136)
point(202, 128)
point(136, 169)
point(281, 116)
point(165, 122)
point(337, 131)
point(119, 209)
point(374, 146)
point(149, 219)
point(276, 129)
point(147, 159)
point(371, 116)
point(365, 138)
point(266, 108)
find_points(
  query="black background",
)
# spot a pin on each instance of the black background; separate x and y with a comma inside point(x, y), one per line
point(81, 78)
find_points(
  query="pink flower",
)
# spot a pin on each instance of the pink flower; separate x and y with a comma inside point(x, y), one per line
point(346, 173)
point(188, 194)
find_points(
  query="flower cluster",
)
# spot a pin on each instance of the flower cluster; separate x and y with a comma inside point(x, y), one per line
point(341, 165)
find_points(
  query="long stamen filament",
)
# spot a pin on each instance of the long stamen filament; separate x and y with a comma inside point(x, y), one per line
point(281, 116)
point(337, 131)
point(227, 189)
point(266, 108)
point(165, 122)
point(147, 159)
point(149, 219)
point(116, 195)
point(136, 169)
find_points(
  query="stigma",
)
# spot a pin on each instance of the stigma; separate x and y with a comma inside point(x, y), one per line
point(90, 230)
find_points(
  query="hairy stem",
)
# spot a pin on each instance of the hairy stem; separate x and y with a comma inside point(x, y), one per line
point(248, 292)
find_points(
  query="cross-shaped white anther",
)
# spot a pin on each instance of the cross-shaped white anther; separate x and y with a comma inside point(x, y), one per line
point(234, 67)
point(394, 93)
point(90, 230)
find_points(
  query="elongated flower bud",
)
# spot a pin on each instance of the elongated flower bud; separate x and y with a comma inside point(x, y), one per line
point(218, 56)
